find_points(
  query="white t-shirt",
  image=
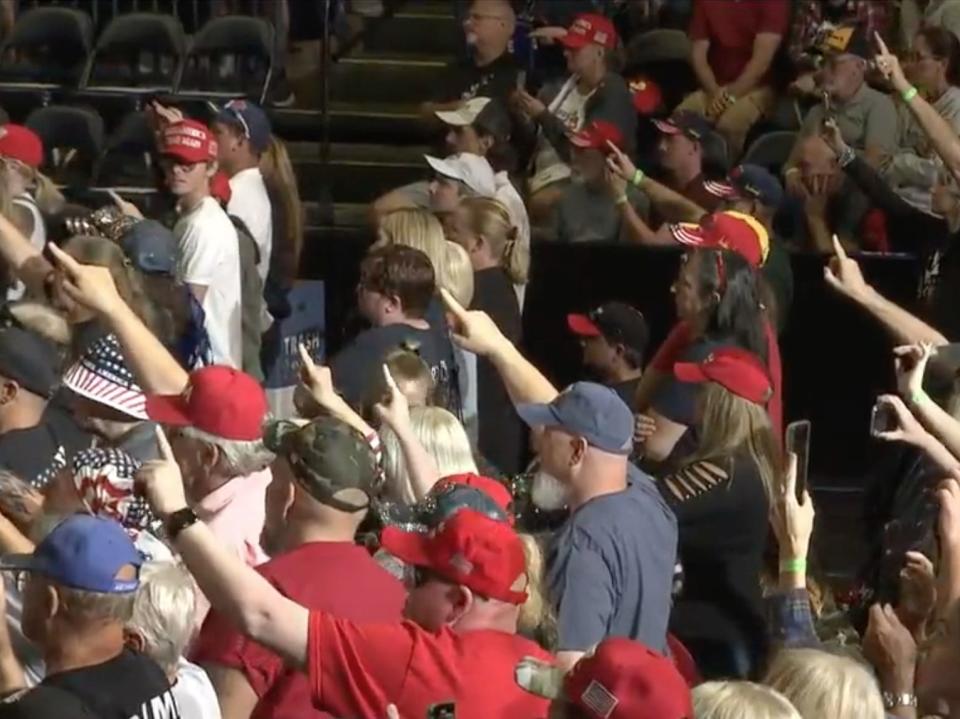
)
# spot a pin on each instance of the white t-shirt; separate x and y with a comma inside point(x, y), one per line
point(569, 106)
point(250, 202)
point(210, 257)
point(194, 693)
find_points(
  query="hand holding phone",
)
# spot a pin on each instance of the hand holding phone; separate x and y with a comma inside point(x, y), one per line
point(797, 441)
point(883, 419)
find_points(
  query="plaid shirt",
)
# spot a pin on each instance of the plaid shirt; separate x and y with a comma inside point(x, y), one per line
point(809, 20)
point(790, 620)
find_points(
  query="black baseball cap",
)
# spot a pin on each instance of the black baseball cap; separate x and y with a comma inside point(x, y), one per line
point(847, 40)
point(617, 322)
point(29, 360)
point(326, 456)
point(685, 122)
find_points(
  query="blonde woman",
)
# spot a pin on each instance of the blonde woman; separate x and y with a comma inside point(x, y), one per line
point(500, 266)
point(740, 700)
point(419, 229)
point(442, 437)
point(459, 273)
point(720, 496)
point(820, 684)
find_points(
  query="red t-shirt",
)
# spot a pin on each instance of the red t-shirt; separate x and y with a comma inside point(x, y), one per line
point(731, 27)
point(680, 338)
point(356, 670)
point(338, 577)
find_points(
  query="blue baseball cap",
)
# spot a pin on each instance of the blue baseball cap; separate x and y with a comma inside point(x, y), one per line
point(82, 552)
point(749, 182)
point(151, 248)
point(588, 410)
point(250, 118)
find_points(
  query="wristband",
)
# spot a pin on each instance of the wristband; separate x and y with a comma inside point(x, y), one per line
point(893, 700)
point(918, 397)
point(638, 177)
point(178, 521)
point(908, 94)
point(622, 200)
point(846, 157)
point(795, 566)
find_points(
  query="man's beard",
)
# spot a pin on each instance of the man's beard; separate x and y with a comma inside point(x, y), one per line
point(548, 492)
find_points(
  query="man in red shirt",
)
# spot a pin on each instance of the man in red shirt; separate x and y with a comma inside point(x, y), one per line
point(734, 43)
point(460, 648)
point(735, 232)
point(309, 531)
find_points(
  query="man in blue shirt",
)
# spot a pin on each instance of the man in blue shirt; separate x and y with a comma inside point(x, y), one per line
point(610, 567)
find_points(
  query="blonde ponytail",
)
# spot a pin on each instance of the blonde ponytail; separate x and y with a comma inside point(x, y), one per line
point(490, 219)
point(281, 182)
point(537, 619)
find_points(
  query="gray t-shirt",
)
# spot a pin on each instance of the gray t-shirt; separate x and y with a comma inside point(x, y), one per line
point(584, 214)
point(610, 568)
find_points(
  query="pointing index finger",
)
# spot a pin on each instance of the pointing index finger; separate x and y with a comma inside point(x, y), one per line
point(455, 307)
point(881, 44)
point(838, 248)
point(305, 357)
point(64, 260)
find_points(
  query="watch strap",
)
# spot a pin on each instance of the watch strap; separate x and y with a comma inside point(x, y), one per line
point(892, 700)
point(178, 521)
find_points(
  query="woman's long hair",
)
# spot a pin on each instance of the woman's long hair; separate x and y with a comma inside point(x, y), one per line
point(730, 290)
point(731, 424)
point(281, 182)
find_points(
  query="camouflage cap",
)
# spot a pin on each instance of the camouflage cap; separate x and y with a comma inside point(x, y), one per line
point(326, 456)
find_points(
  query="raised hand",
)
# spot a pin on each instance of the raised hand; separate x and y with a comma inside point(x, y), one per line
point(472, 330)
point(843, 274)
point(318, 381)
point(908, 429)
point(89, 285)
point(619, 163)
point(792, 520)
point(911, 363)
point(891, 648)
point(395, 412)
point(889, 65)
point(127, 208)
point(918, 589)
point(160, 480)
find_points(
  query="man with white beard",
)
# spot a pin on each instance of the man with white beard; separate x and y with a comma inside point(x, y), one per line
point(610, 567)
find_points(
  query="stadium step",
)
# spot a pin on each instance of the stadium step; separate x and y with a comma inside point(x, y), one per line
point(386, 77)
point(415, 30)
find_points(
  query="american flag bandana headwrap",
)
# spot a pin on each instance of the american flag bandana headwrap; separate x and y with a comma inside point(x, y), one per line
point(104, 478)
point(102, 375)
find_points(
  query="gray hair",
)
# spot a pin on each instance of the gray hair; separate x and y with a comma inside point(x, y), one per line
point(83, 607)
point(164, 611)
point(238, 458)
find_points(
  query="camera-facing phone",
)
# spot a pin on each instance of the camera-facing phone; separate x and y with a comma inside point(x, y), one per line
point(883, 418)
point(797, 441)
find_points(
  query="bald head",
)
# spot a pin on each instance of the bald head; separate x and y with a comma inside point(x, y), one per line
point(489, 27)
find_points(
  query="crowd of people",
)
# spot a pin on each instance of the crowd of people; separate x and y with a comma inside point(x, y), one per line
point(425, 525)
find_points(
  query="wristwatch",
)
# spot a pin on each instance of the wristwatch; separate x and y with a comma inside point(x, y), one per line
point(893, 700)
point(178, 521)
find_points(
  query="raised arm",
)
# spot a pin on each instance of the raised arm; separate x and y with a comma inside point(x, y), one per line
point(155, 368)
point(23, 259)
point(911, 363)
point(233, 588)
point(477, 333)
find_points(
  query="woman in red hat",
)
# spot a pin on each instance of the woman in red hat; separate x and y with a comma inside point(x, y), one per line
point(720, 496)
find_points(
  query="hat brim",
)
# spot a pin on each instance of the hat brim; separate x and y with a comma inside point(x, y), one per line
point(572, 41)
point(667, 128)
point(583, 326)
point(687, 234)
point(724, 190)
point(411, 547)
point(18, 563)
point(81, 381)
point(168, 409)
point(690, 372)
point(457, 118)
point(538, 415)
point(442, 167)
point(185, 155)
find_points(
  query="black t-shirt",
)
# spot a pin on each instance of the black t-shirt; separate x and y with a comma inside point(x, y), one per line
point(358, 366)
point(501, 433)
point(939, 291)
point(129, 686)
point(627, 391)
point(44, 702)
point(463, 80)
point(37, 453)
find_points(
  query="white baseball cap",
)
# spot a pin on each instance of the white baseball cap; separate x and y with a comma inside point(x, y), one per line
point(472, 170)
point(465, 114)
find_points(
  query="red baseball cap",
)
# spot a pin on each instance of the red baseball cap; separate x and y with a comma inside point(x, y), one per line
point(490, 487)
point(596, 135)
point(739, 371)
point(220, 188)
point(590, 28)
point(219, 400)
point(470, 549)
point(646, 94)
point(21, 143)
point(624, 679)
point(732, 231)
point(189, 141)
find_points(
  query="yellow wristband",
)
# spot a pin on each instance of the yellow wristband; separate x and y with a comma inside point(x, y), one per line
point(918, 397)
point(794, 566)
point(908, 94)
point(622, 200)
point(638, 177)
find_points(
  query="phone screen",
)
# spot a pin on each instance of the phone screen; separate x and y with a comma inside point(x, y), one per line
point(522, 80)
point(445, 710)
point(882, 419)
point(797, 441)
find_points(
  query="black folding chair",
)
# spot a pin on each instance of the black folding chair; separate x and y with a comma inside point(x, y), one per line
point(72, 141)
